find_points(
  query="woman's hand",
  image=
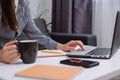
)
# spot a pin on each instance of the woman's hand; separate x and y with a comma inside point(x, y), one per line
point(9, 52)
point(70, 46)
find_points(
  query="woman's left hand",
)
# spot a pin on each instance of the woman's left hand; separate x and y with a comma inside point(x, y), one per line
point(70, 46)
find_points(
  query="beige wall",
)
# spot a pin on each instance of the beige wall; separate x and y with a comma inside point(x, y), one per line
point(41, 6)
point(104, 14)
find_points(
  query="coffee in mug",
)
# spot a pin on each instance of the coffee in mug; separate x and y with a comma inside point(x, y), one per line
point(28, 50)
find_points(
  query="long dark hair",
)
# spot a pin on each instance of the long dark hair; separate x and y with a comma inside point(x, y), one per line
point(8, 14)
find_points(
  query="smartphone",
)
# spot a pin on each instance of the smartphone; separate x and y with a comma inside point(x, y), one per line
point(80, 62)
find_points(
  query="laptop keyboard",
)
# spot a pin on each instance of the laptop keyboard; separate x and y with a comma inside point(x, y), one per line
point(99, 51)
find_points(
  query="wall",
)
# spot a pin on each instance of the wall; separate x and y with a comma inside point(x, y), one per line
point(104, 20)
point(104, 13)
point(41, 7)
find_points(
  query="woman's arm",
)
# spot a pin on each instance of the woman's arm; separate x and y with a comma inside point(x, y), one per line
point(33, 32)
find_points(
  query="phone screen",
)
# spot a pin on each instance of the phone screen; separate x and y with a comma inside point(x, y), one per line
point(79, 62)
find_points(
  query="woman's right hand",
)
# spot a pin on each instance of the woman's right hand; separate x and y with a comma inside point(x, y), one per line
point(9, 52)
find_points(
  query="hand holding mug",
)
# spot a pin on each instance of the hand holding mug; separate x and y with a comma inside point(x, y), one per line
point(9, 52)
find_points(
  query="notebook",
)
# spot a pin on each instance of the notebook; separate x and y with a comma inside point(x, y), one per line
point(48, 72)
point(101, 53)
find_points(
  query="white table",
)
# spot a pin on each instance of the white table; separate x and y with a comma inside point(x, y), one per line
point(108, 68)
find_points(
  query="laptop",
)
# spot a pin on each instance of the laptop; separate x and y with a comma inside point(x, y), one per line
point(101, 53)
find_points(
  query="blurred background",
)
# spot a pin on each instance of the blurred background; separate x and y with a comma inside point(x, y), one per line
point(103, 17)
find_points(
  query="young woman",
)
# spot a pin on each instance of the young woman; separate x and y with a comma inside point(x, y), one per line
point(15, 17)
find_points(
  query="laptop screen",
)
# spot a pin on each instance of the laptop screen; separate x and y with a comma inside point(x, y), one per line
point(116, 35)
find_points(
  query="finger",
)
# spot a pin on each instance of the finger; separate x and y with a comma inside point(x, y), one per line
point(10, 60)
point(81, 45)
point(74, 43)
point(11, 43)
point(15, 59)
point(13, 52)
point(11, 47)
point(71, 49)
point(13, 55)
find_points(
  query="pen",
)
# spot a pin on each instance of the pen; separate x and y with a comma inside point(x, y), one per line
point(51, 51)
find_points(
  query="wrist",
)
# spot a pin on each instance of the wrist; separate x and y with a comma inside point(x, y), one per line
point(60, 46)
